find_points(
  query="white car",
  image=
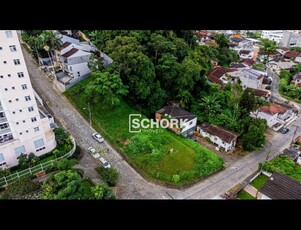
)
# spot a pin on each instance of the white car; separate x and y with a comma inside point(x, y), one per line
point(104, 163)
point(93, 152)
point(98, 137)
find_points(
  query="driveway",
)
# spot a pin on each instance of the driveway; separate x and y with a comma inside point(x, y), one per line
point(131, 184)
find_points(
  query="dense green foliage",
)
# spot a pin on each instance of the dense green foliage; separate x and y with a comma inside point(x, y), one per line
point(259, 66)
point(284, 165)
point(157, 66)
point(253, 35)
point(296, 48)
point(27, 160)
point(267, 46)
point(109, 175)
point(69, 185)
point(21, 187)
point(289, 90)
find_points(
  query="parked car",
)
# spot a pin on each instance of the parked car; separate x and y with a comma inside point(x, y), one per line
point(104, 163)
point(283, 130)
point(98, 137)
point(93, 152)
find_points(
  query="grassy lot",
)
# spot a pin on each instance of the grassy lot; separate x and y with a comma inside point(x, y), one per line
point(259, 181)
point(243, 195)
point(148, 150)
point(284, 165)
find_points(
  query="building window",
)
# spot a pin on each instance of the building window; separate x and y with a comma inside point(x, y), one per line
point(21, 74)
point(13, 87)
point(14, 112)
point(17, 61)
point(4, 62)
point(33, 119)
point(20, 150)
point(13, 48)
point(1, 76)
point(17, 123)
point(8, 75)
point(20, 133)
point(78, 74)
point(30, 109)
point(20, 110)
point(4, 126)
point(190, 123)
point(9, 101)
point(36, 129)
point(9, 34)
point(27, 98)
point(1, 157)
point(39, 143)
point(27, 131)
point(1, 48)
point(23, 121)
point(5, 89)
point(17, 99)
point(24, 86)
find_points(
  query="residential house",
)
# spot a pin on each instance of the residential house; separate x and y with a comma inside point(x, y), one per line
point(217, 76)
point(282, 50)
point(297, 80)
point(276, 115)
point(239, 66)
point(251, 79)
point(280, 187)
point(264, 94)
point(221, 137)
point(186, 120)
point(278, 66)
point(291, 38)
point(291, 55)
point(248, 62)
point(244, 54)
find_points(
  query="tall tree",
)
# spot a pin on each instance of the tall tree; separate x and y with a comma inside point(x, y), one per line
point(107, 87)
point(267, 46)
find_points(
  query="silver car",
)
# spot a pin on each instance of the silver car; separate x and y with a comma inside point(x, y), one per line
point(98, 137)
point(104, 163)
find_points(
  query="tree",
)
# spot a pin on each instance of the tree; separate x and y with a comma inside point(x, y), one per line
point(68, 185)
point(107, 87)
point(210, 105)
point(110, 175)
point(222, 41)
point(267, 46)
point(247, 103)
point(255, 137)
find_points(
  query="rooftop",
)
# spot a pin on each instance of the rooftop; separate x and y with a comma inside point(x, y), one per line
point(297, 77)
point(273, 109)
point(245, 52)
point(280, 186)
point(176, 112)
point(259, 92)
point(253, 74)
point(215, 75)
point(65, 44)
point(292, 54)
point(224, 134)
point(70, 53)
point(248, 62)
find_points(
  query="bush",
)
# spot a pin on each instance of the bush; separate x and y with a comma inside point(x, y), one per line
point(110, 175)
point(66, 164)
point(208, 139)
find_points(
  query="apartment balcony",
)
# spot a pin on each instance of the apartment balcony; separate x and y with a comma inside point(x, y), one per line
point(3, 119)
point(6, 138)
point(5, 131)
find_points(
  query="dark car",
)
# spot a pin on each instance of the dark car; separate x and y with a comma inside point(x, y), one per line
point(283, 130)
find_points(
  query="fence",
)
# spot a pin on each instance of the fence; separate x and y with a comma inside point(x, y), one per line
point(36, 169)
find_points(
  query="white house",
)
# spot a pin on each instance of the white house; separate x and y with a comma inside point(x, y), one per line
point(223, 138)
point(251, 79)
point(278, 66)
point(244, 54)
point(275, 115)
point(187, 121)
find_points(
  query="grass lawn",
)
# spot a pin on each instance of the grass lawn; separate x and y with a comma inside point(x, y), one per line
point(243, 195)
point(259, 181)
point(284, 165)
point(148, 150)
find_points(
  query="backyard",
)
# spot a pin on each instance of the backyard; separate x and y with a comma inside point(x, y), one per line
point(243, 195)
point(158, 154)
point(259, 181)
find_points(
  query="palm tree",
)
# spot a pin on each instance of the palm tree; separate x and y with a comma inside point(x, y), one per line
point(210, 104)
point(267, 46)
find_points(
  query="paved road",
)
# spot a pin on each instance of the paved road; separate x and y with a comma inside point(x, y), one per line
point(132, 185)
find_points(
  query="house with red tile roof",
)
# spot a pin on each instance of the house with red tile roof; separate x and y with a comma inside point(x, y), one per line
point(221, 137)
point(275, 114)
point(217, 76)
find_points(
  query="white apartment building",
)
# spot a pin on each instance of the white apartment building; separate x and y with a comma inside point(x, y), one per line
point(274, 35)
point(23, 128)
point(291, 38)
